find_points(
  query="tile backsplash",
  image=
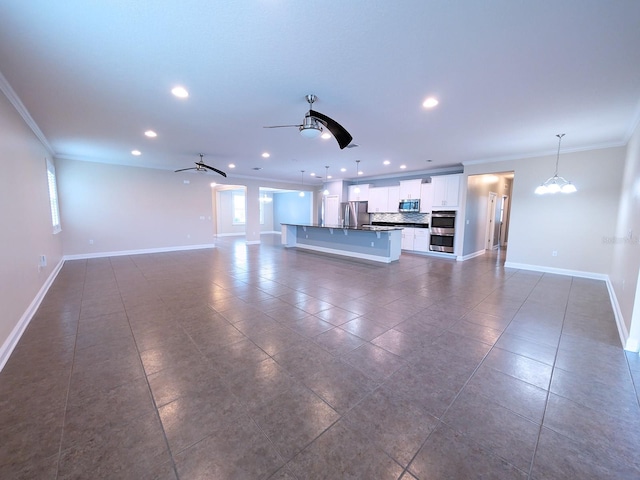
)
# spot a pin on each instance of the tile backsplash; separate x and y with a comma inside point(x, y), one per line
point(401, 217)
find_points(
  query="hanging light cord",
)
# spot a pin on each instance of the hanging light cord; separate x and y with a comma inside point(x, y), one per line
point(560, 135)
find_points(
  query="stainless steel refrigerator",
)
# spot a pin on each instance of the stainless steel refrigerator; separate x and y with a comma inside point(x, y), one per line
point(354, 214)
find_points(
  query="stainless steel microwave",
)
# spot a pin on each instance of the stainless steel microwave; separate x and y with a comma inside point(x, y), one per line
point(409, 205)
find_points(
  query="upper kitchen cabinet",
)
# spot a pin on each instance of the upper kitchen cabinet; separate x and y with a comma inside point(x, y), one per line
point(383, 200)
point(446, 190)
point(359, 193)
point(426, 197)
point(410, 189)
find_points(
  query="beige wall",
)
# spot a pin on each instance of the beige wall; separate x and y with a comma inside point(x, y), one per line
point(625, 248)
point(573, 225)
point(127, 208)
point(25, 217)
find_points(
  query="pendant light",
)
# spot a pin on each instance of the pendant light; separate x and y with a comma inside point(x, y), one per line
point(326, 177)
point(556, 184)
point(357, 189)
point(302, 181)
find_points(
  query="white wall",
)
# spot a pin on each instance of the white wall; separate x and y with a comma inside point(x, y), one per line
point(25, 217)
point(128, 208)
point(573, 225)
point(625, 248)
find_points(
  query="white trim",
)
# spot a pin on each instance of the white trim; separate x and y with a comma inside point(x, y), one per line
point(240, 234)
point(252, 242)
point(271, 232)
point(469, 256)
point(344, 253)
point(82, 256)
point(15, 335)
point(630, 344)
point(12, 96)
point(558, 271)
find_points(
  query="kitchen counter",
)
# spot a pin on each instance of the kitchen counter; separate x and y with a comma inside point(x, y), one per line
point(400, 224)
point(379, 243)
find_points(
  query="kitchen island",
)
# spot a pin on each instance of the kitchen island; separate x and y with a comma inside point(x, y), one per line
point(380, 244)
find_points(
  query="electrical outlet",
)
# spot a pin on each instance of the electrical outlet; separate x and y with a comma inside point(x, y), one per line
point(554, 253)
point(42, 261)
point(91, 242)
point(372, 244)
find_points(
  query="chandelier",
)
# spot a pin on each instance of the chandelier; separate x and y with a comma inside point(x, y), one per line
point(556, 183)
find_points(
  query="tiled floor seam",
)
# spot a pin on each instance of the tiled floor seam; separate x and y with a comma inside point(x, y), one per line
point(546, 403)
point(146, 379)
point(440, 421)
point(66, 400)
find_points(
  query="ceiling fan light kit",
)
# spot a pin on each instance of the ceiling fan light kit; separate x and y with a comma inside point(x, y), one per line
point(313, 122)
point(202, 167)
point(556, 183)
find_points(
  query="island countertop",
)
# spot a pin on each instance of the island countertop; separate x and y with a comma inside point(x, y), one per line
point(368, 227)
point(370, 242)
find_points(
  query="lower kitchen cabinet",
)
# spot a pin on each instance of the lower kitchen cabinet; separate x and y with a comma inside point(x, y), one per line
point(421, 240)
point(408, 235)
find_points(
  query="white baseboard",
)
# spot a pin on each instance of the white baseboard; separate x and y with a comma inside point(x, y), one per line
point(82, 256)
point(557, 271)
point(239, 234)
point(252, 242)
point(628, 344)
point(470, 255)
point(15, 335)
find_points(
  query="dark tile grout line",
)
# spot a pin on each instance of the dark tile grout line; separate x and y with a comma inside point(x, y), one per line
point(146, 377)
point(73, 361)
point(441, 422)
point(548, 394)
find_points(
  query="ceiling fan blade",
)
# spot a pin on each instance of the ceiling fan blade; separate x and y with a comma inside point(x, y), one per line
point(339, 132)
point(282, 126)
point(183, 169)
point(220, 172)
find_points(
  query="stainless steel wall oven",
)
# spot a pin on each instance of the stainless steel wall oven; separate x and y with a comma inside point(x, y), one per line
point(443, 228)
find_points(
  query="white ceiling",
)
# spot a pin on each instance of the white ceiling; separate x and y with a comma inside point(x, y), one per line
point(510, 75)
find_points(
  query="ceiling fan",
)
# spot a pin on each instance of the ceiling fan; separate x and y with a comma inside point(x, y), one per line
point(201, 167)
point(311, 126)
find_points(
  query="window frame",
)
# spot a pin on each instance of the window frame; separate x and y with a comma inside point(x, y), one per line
point(54, 202)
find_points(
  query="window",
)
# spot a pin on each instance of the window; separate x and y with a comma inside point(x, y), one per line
point(53, 197)
point(239, 209)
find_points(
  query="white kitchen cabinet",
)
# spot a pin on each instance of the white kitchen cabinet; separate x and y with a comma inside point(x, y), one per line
point(408, 235)
point(426, 197)
point(359, 193)
point(446, 190)
point(421, 240)
point(378, 200)
point(383, 200)
point(393, 199)
point(410, 189)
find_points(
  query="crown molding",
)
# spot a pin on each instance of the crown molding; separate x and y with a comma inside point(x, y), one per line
point(10, 93)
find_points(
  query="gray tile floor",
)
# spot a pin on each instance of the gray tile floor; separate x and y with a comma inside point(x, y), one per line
point(257, 362)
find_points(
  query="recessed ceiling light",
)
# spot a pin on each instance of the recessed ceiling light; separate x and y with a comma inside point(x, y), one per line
point(386, 162)
point(343, 169)
point(265, 155)
point(360, 172)
point(312, 174)
point(329, 176)
point(137, 153)
point(403, 167)
point(232, 165)
point(325, 135)
point(151, 134)
point(430, 102)
point(180, 92)
point(213, 184)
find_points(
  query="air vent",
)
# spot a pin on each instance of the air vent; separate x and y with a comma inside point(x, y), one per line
point(256, 168)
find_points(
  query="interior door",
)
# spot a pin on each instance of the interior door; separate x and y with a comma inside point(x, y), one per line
point(491, 217)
